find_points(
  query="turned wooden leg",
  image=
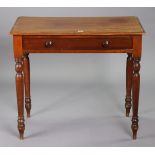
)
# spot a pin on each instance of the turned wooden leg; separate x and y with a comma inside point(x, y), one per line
point(129, 72)
point(20, 96)
point(27, 84)
point(135, 95)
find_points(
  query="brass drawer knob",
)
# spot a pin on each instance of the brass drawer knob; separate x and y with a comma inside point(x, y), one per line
point(49, 44)
point(105, 43)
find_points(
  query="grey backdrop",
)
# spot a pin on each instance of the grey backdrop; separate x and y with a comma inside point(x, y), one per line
point(77, 99)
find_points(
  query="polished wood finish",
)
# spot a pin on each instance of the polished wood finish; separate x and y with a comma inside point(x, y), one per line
point(27, 83)
point(137, 42)
point(81, 44)
point(136, 85)
point(77, 26)
point(77, 35)
point(129, 71)
point(18, 55)
point(20, 96)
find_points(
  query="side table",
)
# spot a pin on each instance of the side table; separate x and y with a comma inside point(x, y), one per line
point(77, 35)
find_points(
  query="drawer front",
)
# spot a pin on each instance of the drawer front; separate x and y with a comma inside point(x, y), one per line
point(77, 43)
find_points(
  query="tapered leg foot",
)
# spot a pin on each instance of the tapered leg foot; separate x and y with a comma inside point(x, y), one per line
point(134, 127)
point(21, 137)
point(134, 137)
point(21, 127)
point(28, 105)
point(28, 114)
point(128, 105)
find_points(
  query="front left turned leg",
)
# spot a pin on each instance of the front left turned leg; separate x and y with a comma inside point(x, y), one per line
point(129, 72)
point(20, 96)
point(27, 84)
point(135, 95)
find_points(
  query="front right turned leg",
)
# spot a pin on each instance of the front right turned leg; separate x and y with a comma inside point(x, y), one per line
point(20, 96)
point(135, 92)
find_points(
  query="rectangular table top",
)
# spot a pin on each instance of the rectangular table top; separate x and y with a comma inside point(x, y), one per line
point(129, 25)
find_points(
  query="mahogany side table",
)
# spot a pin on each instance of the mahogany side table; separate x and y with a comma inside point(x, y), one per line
point(77, 35)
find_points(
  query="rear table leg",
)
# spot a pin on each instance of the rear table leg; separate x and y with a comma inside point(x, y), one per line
point(129, 72)
point(27, 84)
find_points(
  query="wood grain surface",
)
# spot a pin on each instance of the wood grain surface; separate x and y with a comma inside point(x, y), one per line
point(77, 26)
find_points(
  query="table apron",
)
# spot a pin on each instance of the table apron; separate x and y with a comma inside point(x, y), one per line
point(52, 44)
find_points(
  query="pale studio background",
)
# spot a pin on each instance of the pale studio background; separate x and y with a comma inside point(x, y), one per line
point(77, 99)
